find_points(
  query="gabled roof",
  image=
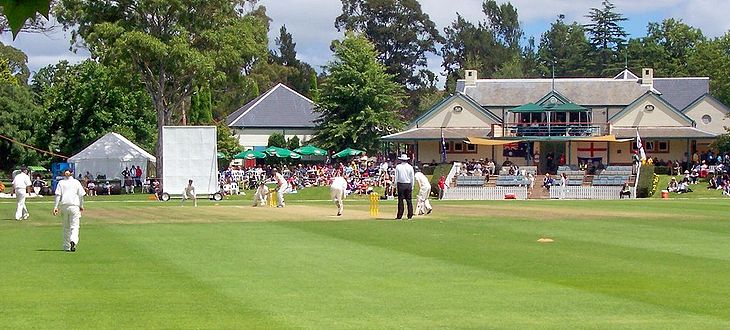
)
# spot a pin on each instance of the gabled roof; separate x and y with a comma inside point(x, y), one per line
point(626, 75)
point(658, 98)
point(583, 91)
point(448, 99)
point(545, 100)
point(112, 146)
point(708, 97)
point(681, 92)
point(280, 106)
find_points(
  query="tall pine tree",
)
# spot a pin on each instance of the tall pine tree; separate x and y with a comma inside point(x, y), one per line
point(607, 38)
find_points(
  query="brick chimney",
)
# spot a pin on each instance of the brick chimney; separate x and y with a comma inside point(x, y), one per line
point(647, 77)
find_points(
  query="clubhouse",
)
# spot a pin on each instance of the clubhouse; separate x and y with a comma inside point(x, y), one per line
point(576, 120)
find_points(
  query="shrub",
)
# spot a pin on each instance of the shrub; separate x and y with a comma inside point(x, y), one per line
point(666, 170)
point(647, 182)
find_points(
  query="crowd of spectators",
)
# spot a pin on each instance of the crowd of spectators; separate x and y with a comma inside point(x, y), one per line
point(362, 174)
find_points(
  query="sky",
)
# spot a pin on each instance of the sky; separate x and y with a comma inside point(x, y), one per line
point(311, 23)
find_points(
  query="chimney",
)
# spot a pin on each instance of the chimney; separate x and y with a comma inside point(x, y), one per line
point(647, 77)
point(471, 77)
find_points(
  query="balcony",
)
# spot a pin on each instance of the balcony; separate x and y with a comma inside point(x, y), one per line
point(577, 129)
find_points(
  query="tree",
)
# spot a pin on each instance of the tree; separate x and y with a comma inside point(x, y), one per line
point(402, 33)
point(293, 143)
point(359, 101)
point(88, 100)
point(313, 88)
point(712, 58)
point(566, 47)
point(607, 37)
point(20, 117)
point(485, 47)
point(287, 52)
point(171, 44)
point(16, 62)
point(276, 140)
point(201, 107)
point(666, 48)
point(226, 141)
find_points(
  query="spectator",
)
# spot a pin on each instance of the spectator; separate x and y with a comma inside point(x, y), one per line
point(91, 187)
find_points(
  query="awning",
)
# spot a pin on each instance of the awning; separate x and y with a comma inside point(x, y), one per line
point(681, 132)
point(567, 107)
point(434, 133)
point(488, 142)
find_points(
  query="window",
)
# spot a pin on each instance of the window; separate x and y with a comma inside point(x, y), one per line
point(461, 148)
point(662, 146)
point(706, 119)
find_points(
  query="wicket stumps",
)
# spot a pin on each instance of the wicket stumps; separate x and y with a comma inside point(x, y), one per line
point(374, 204)
point(272, 198)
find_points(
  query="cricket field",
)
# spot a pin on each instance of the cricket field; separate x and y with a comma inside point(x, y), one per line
point(642, 264)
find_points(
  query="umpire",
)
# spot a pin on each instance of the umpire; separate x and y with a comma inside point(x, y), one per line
point(404, 179)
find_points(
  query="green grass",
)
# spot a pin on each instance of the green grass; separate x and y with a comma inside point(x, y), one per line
point(699, 190)
point(143, 264)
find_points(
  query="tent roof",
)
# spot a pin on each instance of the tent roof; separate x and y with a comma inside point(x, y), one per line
point(112, 146)
point(529, 107)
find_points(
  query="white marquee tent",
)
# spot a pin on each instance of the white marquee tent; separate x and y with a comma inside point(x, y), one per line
point(109, 155)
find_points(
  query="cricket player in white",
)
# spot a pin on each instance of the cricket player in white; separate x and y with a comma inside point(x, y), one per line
point(262, 194)
point(189, 193)
point(423, 205)
point(337, 190)
point(281, 186)
point(70, 201)
point(21, 182)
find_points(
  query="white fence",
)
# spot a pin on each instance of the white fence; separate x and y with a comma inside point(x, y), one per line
point(610, 192)
point(484, 193)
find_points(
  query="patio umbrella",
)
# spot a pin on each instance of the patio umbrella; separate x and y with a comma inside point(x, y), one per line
point(282, 153)
point(348, 152)
point(311, 150)
point(221, 155)
point(250, 154)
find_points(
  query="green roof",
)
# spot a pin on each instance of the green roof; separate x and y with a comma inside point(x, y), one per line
point(529, 107)
point(568, 107)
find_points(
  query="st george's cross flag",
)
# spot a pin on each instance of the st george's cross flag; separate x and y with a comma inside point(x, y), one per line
point(640, 146)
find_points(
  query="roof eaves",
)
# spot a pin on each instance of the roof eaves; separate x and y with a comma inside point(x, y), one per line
point(256, 102)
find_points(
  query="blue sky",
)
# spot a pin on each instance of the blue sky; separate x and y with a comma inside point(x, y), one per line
point(311, 23)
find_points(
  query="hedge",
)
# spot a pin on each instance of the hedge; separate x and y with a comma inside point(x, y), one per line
point(646, 186)
point(441, 169)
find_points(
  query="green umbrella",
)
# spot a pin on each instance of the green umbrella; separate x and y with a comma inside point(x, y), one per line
point(282, 153)
point(250, 154)
point(348, 152)
point(221, 155)
point(311, 150)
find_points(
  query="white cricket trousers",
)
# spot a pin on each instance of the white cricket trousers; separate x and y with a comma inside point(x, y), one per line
point(259, 199)
point(71, 217)
point(21, 211)
point(423, 204)
point(280, 195)
point(338, 196)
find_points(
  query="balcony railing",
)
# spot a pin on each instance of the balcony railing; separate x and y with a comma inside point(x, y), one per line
point(555, 129)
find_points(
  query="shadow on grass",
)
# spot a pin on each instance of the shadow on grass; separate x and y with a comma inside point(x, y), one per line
point(50, 250)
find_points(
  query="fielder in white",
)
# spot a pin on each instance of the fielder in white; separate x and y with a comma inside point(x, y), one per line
point(70, 200)
point(281, 186)
point(189, 193)
point(21, 182)
point(423, 205)
point(338, 191)
point(262, 195)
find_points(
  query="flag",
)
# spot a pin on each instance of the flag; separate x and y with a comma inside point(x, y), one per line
point(640, 146)
point(443, 147)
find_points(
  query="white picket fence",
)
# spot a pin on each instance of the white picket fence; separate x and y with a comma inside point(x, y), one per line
point(484, 193)
point(602, 192)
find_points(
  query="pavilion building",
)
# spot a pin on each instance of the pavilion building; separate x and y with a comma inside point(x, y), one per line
point(570, 119)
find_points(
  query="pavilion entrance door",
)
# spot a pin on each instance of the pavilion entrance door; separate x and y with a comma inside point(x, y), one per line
point(550, 154)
